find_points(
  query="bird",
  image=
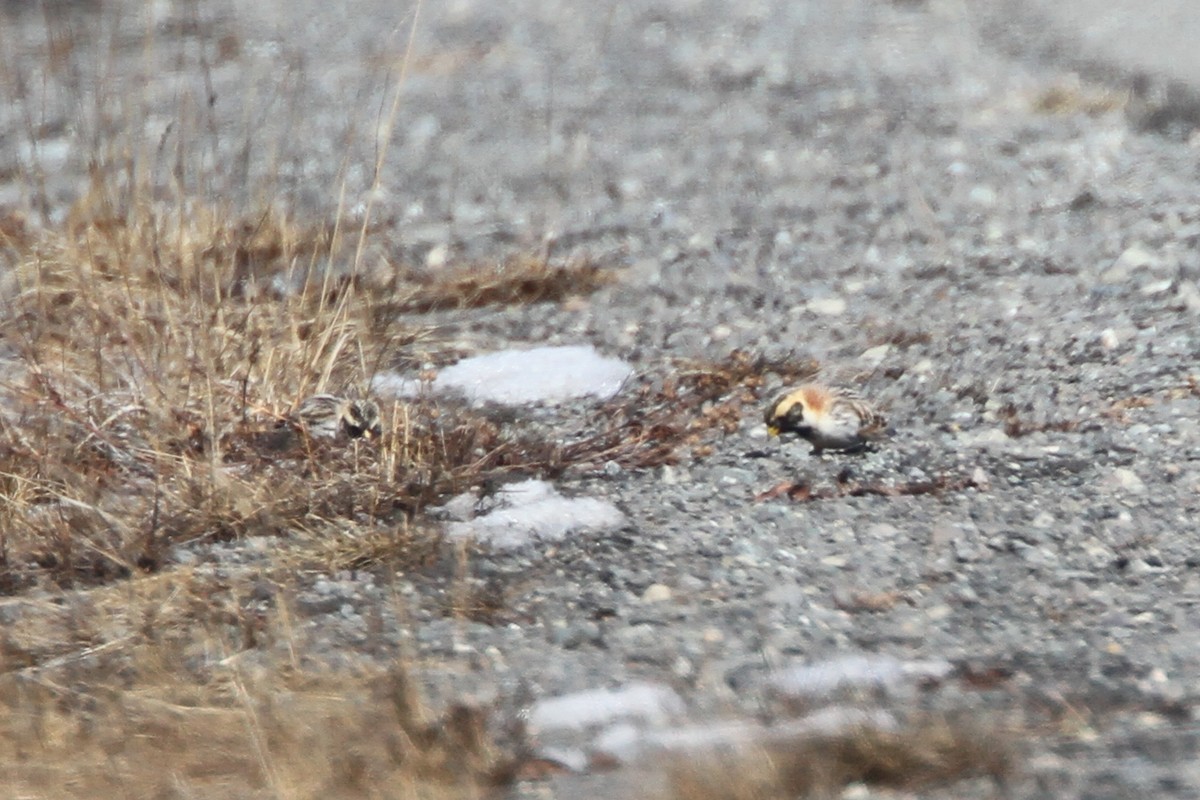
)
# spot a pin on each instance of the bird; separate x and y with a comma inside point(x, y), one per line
point(328, 416)
point(829, 418)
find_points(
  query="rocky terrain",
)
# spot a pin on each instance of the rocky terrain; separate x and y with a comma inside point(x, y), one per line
point(999, 249)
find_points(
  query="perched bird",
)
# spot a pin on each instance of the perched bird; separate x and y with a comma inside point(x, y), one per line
point(328, 416)
point(830, 419)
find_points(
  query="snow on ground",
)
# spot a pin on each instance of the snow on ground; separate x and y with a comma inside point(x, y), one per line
point(626, 743)
point(645, 702)
point(521, 377)
point(532, 511)
point(856, 673)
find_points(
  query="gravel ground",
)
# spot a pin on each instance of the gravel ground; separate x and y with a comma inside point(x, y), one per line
point(885, 186)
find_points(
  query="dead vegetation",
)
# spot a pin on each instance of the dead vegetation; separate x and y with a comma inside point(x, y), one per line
point(153, 356)
point(846, 485)
point(198, 683)
point(152, 347)
point(1015, 426)
point(158, 355)
point(513, 281)
point(918, 755)
point(157, 729)
point(1075, 97)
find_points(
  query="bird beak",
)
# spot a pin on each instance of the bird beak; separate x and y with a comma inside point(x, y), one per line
point(772, 430)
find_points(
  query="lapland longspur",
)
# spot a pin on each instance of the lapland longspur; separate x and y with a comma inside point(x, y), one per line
point(328, 416)
point(830, 419)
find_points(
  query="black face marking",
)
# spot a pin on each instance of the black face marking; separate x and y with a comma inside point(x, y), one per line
point(774, 414)
point(358, 421)
point(795, 416)
point(790, 422)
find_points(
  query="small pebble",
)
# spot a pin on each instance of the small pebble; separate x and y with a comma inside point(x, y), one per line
point(656, 593)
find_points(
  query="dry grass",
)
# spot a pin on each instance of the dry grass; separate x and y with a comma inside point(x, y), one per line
point(153, 355)
point(159, 348)
point(152, 345)
point(185, 685)
point(155, 728)
point(157, 353)
point(927, 752)
point(513, 281)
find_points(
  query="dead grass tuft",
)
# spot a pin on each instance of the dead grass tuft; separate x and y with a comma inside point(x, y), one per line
point(517, 280)
point(360, 735)
point(158, 351)
point(182, 685)
point(925, 753)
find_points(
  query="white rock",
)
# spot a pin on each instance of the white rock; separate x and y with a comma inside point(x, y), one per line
point(1126, 480)
point(980, 478)
point(985, 438)
point(827, 306)
point(982, 195)
point(875, 355)
point(437, 256)
point(1189, 294)
point(461, 507)
point(882, 530)
point(1043, 521)
point(656, 593)
point(572, 759)
point(1134, 258)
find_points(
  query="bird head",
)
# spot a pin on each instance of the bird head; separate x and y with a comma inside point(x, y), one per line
point(786, 414)
point(360, 418)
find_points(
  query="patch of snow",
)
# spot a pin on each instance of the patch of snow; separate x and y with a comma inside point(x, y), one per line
point(856, 673)
point(573, 759)
point(532, 511)
point(461, 507)
point(627, 743)
point(648, 703)
point(521, 377)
